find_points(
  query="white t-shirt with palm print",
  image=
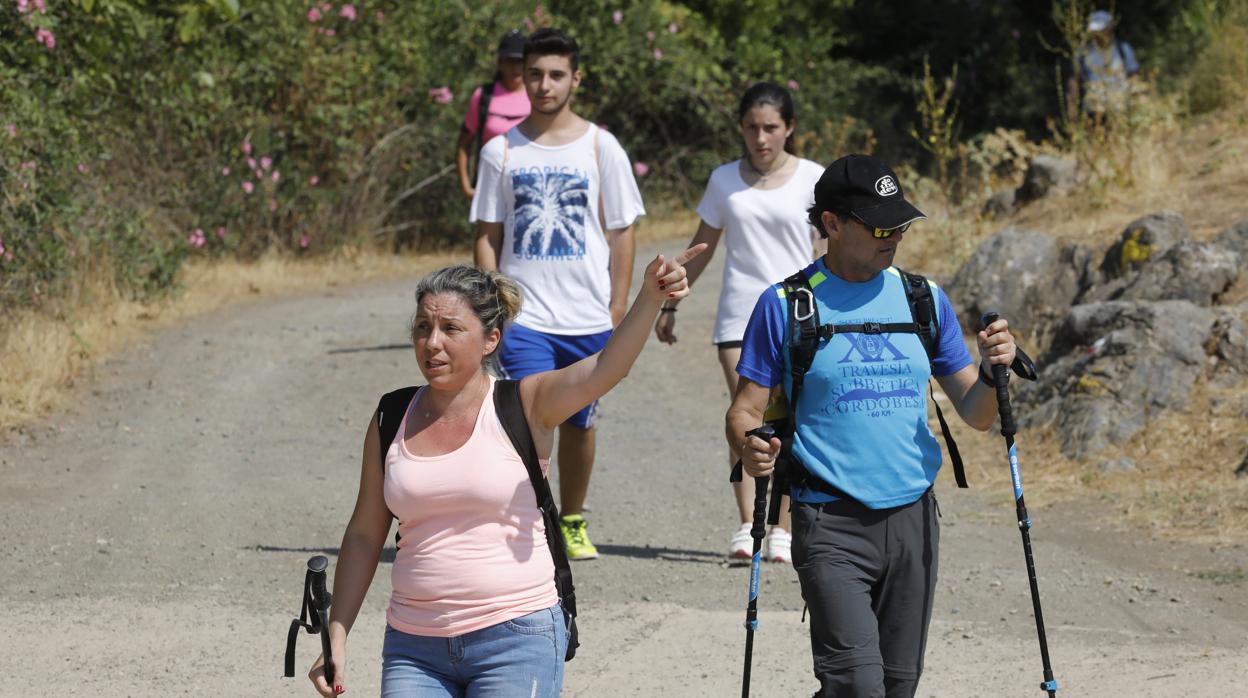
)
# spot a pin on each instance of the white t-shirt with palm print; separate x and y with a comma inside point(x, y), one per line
point(554, 246)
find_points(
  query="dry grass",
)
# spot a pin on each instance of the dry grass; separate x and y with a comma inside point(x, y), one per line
point(1199, 169)
point(46, 353)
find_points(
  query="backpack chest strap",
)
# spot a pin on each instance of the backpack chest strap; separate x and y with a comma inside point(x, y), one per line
point(826, 332)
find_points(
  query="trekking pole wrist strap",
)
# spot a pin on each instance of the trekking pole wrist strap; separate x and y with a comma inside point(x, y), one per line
point(986, 378)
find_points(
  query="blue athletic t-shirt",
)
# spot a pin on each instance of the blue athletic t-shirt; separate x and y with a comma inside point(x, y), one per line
point(862, 421)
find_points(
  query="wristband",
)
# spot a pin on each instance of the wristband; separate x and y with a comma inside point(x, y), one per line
point(667, 309)
point(985, 378)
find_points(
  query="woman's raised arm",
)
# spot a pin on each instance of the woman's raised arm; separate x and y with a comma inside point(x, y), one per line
point(553, 396)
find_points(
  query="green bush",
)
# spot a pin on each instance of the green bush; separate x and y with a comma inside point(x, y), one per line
point(137, 133)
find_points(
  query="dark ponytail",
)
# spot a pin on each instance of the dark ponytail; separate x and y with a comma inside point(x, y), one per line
point(771, 94)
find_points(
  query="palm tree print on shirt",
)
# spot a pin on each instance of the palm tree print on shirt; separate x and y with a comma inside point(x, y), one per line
point(551, 208)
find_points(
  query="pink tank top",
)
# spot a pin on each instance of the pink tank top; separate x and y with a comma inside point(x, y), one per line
point(472, 550)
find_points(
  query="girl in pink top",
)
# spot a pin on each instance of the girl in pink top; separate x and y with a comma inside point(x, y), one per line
point(474, 609)
point(508, 106)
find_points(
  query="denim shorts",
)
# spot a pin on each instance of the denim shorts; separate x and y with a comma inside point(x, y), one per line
point(527, 351)
point(522, 657)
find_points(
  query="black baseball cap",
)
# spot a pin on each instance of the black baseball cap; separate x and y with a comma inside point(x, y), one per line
point(511, 45)
point(866, 188)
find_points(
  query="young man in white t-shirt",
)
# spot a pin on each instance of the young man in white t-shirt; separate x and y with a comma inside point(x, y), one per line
point(555, 205)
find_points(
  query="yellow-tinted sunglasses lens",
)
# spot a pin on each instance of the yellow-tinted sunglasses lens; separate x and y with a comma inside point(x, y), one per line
point(880, 233)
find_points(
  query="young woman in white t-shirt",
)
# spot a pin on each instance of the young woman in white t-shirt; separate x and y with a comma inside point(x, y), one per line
point(757, 204)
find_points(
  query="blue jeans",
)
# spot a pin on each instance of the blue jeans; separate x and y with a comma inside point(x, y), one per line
point(521, 658)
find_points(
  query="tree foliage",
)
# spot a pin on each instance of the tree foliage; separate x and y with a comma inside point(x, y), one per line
point(134, 133)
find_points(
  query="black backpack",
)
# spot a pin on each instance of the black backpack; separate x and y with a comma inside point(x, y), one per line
point(805, 332)
point(510, 412)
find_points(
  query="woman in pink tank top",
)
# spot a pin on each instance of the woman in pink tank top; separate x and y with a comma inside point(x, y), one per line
point(474, 607)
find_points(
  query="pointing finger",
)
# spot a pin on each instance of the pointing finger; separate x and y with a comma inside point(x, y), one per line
point(690, 253)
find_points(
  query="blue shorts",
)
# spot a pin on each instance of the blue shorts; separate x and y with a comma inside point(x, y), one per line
point(527, 351)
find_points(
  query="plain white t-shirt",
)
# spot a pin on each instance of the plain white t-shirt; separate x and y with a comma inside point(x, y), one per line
point(554, 246)
point(765, 235)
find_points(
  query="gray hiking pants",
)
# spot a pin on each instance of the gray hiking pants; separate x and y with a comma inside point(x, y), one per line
point(868, 577)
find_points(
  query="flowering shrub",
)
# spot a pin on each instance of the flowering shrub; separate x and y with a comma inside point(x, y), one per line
point(136, 133)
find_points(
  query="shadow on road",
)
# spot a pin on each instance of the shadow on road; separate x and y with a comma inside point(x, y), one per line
point(649, 553)
point(387, 554)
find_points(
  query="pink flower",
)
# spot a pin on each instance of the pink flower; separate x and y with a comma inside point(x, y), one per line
point(248, 187)
point(658, 54)
point(251, 163)
point(272, 204)
point(82, 168)
point(617, 16)
point(8, 256)
point(277, 176)
point(331, 32)
point(326, 7)
point(221, 234)
point(266, 162)
point(347, 11)
point(41, 6)
point(225, 171)
point(672, 28)
point(528, 24)
point(12, 129)
point(23, 6)
point(793, 84)
point(45, 37)
point(650, 36)
point(2, 250)
point(640, 168)
point(246, 146)
point(381, 16)
point(314, 15)
point(538, 12)
point(314, 180)
point(196, 238)
point(303, 241)
point(441, 95)
point(30, 165)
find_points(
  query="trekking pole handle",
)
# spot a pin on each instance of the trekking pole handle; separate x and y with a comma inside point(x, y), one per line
point(766, 432)
point(317, 565)
point(1001, 381)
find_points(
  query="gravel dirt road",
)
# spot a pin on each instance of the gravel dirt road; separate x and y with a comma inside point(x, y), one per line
point(154, 536)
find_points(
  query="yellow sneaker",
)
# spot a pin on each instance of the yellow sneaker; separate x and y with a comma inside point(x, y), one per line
point(576, 538)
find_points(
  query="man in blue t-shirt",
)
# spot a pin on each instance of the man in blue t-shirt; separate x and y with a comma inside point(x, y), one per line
point(865, 529)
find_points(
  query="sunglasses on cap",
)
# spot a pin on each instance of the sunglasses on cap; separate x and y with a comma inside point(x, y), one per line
point(881, 233)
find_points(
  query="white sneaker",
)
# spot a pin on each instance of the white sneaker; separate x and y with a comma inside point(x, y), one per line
point(780, 545)
point(741, 547)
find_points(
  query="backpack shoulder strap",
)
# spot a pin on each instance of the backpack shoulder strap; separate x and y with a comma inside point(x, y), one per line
point(922, 304)
point(803, 335)
point(510, 411)
point(923, 310)
point(390, 410)
point(483, 113)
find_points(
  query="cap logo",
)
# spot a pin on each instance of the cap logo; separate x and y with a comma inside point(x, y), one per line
point(885, 186)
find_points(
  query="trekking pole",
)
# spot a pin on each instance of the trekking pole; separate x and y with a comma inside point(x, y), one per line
point(759, 529)
point(313, 616)
point(1001, 381)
